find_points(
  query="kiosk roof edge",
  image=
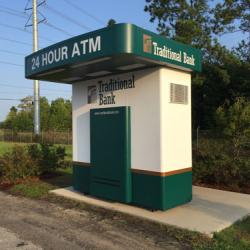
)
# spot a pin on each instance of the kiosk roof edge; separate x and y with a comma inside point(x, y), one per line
point(111, 50)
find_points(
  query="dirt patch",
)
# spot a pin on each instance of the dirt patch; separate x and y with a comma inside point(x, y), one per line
point(77, 226)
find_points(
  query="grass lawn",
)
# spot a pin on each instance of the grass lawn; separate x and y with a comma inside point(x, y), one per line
point(6, 146)
point(40, 187)
point(236, 237)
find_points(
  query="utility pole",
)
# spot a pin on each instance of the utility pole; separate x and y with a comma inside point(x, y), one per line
point(36, 82)
point(35, 23)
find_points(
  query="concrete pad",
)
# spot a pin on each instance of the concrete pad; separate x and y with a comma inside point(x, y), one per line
point(210, 210)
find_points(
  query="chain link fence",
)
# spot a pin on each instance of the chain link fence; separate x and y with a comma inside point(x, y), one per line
point(51, 137)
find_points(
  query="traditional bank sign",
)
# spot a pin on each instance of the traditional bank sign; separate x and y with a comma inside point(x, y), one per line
point(126, 41)
point(172, 53)
point(103, 92)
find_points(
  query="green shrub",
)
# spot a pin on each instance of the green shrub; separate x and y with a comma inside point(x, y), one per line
point(66, 164)
point(213, 164)
point(49, 157)
point(33, 160)
point(17, 164)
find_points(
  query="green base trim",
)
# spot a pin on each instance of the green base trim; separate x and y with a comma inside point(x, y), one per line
point(148, 191)
point(81, 178)
point(161, 192)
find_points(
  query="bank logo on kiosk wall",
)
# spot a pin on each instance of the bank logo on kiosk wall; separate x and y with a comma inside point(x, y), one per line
point(103, 92)
point(92, 94)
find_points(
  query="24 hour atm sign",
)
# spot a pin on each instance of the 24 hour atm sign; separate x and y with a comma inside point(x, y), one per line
point(121, 39)
point(66, 52)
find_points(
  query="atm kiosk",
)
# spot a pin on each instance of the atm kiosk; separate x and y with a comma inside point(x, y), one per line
point(131, 112)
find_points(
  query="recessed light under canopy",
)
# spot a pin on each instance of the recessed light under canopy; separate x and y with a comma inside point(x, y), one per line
point(90, 62)
point(99, 73)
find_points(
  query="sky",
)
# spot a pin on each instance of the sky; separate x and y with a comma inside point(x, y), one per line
point(68, 21)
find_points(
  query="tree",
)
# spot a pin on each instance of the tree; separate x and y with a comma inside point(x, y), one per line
point(111, 22)
point(24, 121)
point(9, 123)
point(234, 16)
point(60, 114)
point(243, 51)
point(56, 116)
point(26, 103)
point(44, 113)
point(221, 81)
point(234, 122)
point(227, 12)
point(185, 21)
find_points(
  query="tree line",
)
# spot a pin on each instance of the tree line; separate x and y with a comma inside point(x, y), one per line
point(56, 115)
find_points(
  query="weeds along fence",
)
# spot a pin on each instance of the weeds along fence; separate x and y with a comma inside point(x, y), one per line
point(203, 138)
point(51, 137)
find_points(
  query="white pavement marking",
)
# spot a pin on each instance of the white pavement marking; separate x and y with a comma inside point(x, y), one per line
point(10, 241)
point(210, 210)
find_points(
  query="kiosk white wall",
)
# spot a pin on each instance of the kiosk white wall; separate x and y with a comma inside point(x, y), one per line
point(160, 130)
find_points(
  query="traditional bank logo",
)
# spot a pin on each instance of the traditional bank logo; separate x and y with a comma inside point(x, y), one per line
point(147, 43)
point(92, 94)
point(103, 92)
point(165, 51)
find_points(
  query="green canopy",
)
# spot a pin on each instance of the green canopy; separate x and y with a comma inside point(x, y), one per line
point(112, 50)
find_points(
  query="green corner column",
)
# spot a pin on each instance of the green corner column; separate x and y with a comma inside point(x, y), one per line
point(161, 192)
point(81, 177)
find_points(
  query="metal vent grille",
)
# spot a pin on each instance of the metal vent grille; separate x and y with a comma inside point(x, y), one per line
point(178, 93)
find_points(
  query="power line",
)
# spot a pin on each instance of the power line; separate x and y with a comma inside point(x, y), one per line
point(13, 64)
point(12, 52)
point(23, 30)
point(15, 99)
point(9, 99)
point(46, 23)
point(12, 10)
point(67, 18)
point(14, 27)
point(14, 41)
point(13, 14)
point(8, 92)
point(16, 86)
point(27, 93)
point(84, 11)
point(57, 28)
